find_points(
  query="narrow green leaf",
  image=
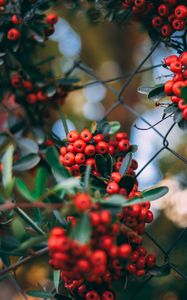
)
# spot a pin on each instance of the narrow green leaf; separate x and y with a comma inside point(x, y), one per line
point(24, 191)
point(82, 231)
point(40, 294)
point(155, 193)
point(56, 279)
point(157, 93)
point(184, 93)
point(101, 164)
point(7, 161)
point(87, 177)
point(145, 90)
point(125, 164)
point(40, 182)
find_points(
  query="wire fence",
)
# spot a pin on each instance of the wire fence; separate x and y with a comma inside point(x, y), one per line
point(119, 96)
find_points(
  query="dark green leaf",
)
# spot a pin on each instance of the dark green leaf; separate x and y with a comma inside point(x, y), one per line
point(170, 109)
point(26, 163)
point(101, 164)
point(177, 116)
point(24, 191)
point(40, 182)
point(157, 93)
point(184, 93)
point(127, 182)
point(125, 164)
point(183, 124)
point(87, 177)
point(114, 200)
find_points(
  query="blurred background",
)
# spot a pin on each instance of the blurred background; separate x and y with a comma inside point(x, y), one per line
point(112, 51)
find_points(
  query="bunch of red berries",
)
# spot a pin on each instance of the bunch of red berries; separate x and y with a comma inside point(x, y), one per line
point(177, 65)
point(83, 149)
point(32, 91)
point(166, 16)
point(114, 251)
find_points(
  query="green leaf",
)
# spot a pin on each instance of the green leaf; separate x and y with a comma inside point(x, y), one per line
point(40, 182)
point(33, 241)
point(160, 271)
point(24, 191)
point(114, 200)
point(27, 146)
point(145, 90)
point(114, 127)
point(40, 294)
point(26, 163)
point(56, 279)
point(184, 93)
point(82, 230)
point(125, 164)
point(101, 164)
point(18, 229)
point(183, 124)
point(157, 93)
point(7, 161)
point(133, 148)
point(59, 171)
point(127, 182)
point(155, 193)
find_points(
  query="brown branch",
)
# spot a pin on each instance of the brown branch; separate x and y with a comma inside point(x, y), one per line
point(23, 261)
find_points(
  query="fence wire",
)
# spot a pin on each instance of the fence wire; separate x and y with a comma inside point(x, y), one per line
point(119, 101)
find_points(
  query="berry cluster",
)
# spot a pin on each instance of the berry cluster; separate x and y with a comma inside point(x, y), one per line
point(166, 16)
point(32, 92)
point(177, 65)
point(82, 150)
point(114, 251)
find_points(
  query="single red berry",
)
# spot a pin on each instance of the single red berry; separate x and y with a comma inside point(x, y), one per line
point(140, 272)
point(183, 59)
point(83, 265)
point(134, 256)
point(151, 260)
point(157, 21)
point(16, 81)
point(124, 145)
point(124, 251)
point(41, 96)
point(72, 136)
point(86, 135)
point(141, 262)
point(171, 18)
point(131, 268)
point(98, 138)
point(63, 150)
point(115, 176)
point(102, 148)
point(92, 295)
point(70, 148)
point(99, 257)
point(16, 20)
point(82, 202)
point(112, 188)
point(149, 217)
point(27, 85)
point(172, 58)
point(166, 30)
point(90, 150)
point(69, 159)
point(80, 158)
point(52, 19)
point(79, 146)
point(91, 161)
point(105, 217)
point(178, 24)
point(178, 77)
point(57, 231)
point(108, 295)
point(13, 34)
point(176, 67)
point(184, 113)
point(120, 136)
point(163, 10)
point(31, 98)
point(176, 88)
point(181, 12)
point(182, 104)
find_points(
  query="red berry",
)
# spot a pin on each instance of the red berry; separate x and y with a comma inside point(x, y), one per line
point(182, 104)
point(13, 34)
point(140, 264)
point(184, 113)
point(31, 98)
point(79, 146)
point(27, 85)
point(69, 159)
point(86, 135)
point(82, 202)
point(178, 24)
point(63, 150)
point(98, 138)
point(163, 10)
point(16, 20)
point(124, 145)
point(166, 30)
point(99, 258)
point(83, 265)
point(183, 59)
point(172, 58)
point(90, 150)
point(70, 148)
point(151, 260)
point(181, 12)
point(102, 148)
point(120, 136)
point(176, 67)
point(80, 158)
point(108, 295)
point(91, 161)
point(131, 268)
point(92, 295)
point(124, 251)
point(112, 188)
point(2, 2)
point(157, 21)
point(72, 136)
point(140, 272)
point(41, 96)
point(115, 176)
point(177, 87)
point(52, 19)
point(16, 81)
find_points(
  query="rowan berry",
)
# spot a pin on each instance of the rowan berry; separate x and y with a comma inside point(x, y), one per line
point(124, 145)
point(79, 146)
point(13, 34)
point(120, 136)
point(69, 159)
point(80, 158)
point(181, 12)
point(72, 136)
point(90, 150)
point(102, 148)
point(98, 138)
point(86, 135)
point(112, 188)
